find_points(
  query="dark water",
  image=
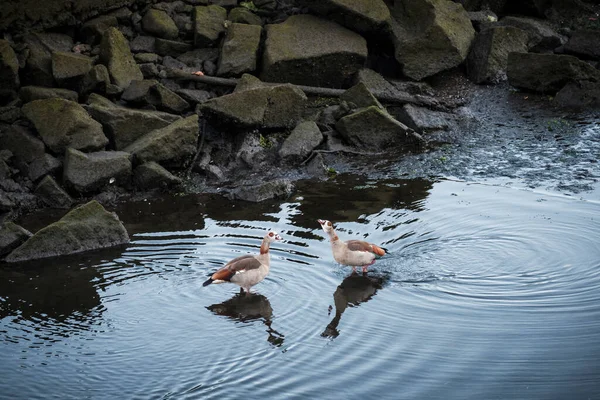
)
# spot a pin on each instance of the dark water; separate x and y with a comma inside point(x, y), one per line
point(489, 292)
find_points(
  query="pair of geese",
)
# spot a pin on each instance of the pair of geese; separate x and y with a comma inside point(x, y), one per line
point(248, 270)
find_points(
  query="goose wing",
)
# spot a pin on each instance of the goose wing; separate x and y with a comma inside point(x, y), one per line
point(360, 245)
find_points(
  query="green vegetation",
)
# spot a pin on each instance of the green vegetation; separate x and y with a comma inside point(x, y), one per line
point(249, 5)
point(265, 142)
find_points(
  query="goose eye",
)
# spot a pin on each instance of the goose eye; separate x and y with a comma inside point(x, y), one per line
point(271, 234)
point(328, 223)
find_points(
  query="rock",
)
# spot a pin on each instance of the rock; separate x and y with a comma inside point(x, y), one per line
point(5, 170)
point(6, 204)
point(482, 19)
point(424, 120)
point(279, 188)
point(63, 123)
point(242, 15)
point(10, 114)
point(278, 106)
point(84, 228)
point(196, 58)
point(239, 51)
point(225, 3)
point(541, 37)
point(11, 237)
point(209, 23)
point(124, 125)
point(584, 43)
point(90, 172)
point(582, 95)
point(52, 194)
point(115, 54)
point(363, 16)
point(31, 93)
point(194, 96)
point(94, 99)
point(301, 142)
point(173, 48)
point(360, 96)
point(488, 56)
point(69, 69)
point(151, 175)
point(149, 70)
point(374, 129)
point(97, 79)
point(296, 52)
point(430, 36)
point(172, 145)
point(547, 73)
point(43, 166)
point(158, 23)
point(9, 67)
point(143, 58)
point(24, 146)
point(143, 44)
point(150, 92)
point(38, 68)
point(93, 29)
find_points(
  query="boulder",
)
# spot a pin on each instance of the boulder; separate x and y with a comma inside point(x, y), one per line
point(584, 43)
point(172, 145)
point(209, 23)
point(541, 37)
point(359, 96)
point(97, 79)
point(90, 172)
point(547, 73)
point(31, 93)
point(305, 137)
point(9, 67)
point(488, 56)
point(582, 95)
point(10, 113)
point(424, 120)
point(92, 30)
point(243, 15)
point(38, 68)
point(115, 54)
point(274, 189)
point(69, 69)
point(84, 228)
point(482, 19)
point(63, 123)
point(124, 125)
point(196, 58)
point(239, 51)
point(149, 70)
point(296, 52)
point(52, 194)
point(375, 130)
point(430, 36)
point(24, 146)
point(151, 175)
point(158, 23)
point(143, 44)
point(194, 96)
point(363, 16)
point(150, 92)
point(42, 166)
point(173, 48)
point(11, 237)
point(144, 58)
point(278, 106)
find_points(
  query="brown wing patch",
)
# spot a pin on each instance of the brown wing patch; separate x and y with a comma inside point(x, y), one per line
point(378, 250)
point(358, 245)
point(224, 274)
point(234, 266)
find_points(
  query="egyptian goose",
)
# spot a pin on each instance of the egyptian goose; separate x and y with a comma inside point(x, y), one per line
point(354, 253)
point(246, 271)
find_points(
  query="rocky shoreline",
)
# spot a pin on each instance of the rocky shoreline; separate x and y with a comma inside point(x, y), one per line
point(242, 98)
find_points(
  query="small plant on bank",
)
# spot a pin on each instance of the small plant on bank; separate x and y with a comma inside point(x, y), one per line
point(249, 5)
point(264, 142)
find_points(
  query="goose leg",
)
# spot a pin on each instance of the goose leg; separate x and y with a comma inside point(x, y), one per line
point(364, 268)
point(353, 269)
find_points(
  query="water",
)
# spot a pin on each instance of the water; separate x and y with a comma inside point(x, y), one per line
point(489, 292)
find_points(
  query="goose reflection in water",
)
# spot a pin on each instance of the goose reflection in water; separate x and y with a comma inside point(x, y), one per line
point(249, 307)
point(354, 290)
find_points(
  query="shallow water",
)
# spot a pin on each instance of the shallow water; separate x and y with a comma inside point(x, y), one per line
point(488, 292)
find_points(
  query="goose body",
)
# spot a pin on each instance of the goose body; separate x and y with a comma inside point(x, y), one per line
point(247, 270)
point(354, 253)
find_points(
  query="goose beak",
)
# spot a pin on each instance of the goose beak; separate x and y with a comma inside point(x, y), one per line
point(277, 237)
point(320, 221)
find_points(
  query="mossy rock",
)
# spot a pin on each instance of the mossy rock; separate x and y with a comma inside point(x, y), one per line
point(363, 16)
point(115, 54)
point(239, 51)
point(158, 23)
point(243, 15)
point(9, 67)
point(209, 24)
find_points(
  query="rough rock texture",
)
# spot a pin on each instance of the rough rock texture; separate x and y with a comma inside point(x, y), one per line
point(239, 51)
point(173, 48)
point(93, 29)
point(584, 43)
point(24, 146)
point(42, 166)
point(63, 123)
point(307, 50)
point(124, 125)
point(143, 44)
point(158, 23)
point(364, 16)
point(373, 129)
point(430, 36)
point(242, 15)
point(547, 73)
point(69, 69)
point(278, 106)
point(359, 96)
point(11, 237)
point(115, 54)
point(488, 56)
point(151, 175)
point(172, 145)
point(541, 37)
point(31, 93)
point(84, 228)
point(301, 142)
point(581, 95)
point(38, 68)
point(209, 23)
point(150, 92)
point(9, 67)
point(52, 194)
point(89, 172)
point(279, 188)
point(424, 120)
point(97, 79)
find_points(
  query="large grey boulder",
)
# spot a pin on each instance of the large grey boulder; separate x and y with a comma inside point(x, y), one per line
point(52, 194)
point(9, 67)
point(173, 48)
point(301, 141)
point(582, 95)
point(430, 36)
point(243, 15)
point(42, 166)
point(308, 50)
point(547, 73)
point(152, 175)
point(84, 228)
point(374, 129)
point(172, 145)
point(11, 237)
point(278, 106)
point(97, 79)
point(584, 43)
point(38, 68)
point(23, 144)
point(150, 92)
point(274, 189)
point(31, 93)
point(69, 69)
point(209, 23)
point(90, 172)
point(93, 29)
point(239, 51)
point(363, 16)
point(542, 38)
point(63, 123)
point(125, 125)
point(158, 23)
point(359, 96)
point(487, 59)
point(115, 54)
